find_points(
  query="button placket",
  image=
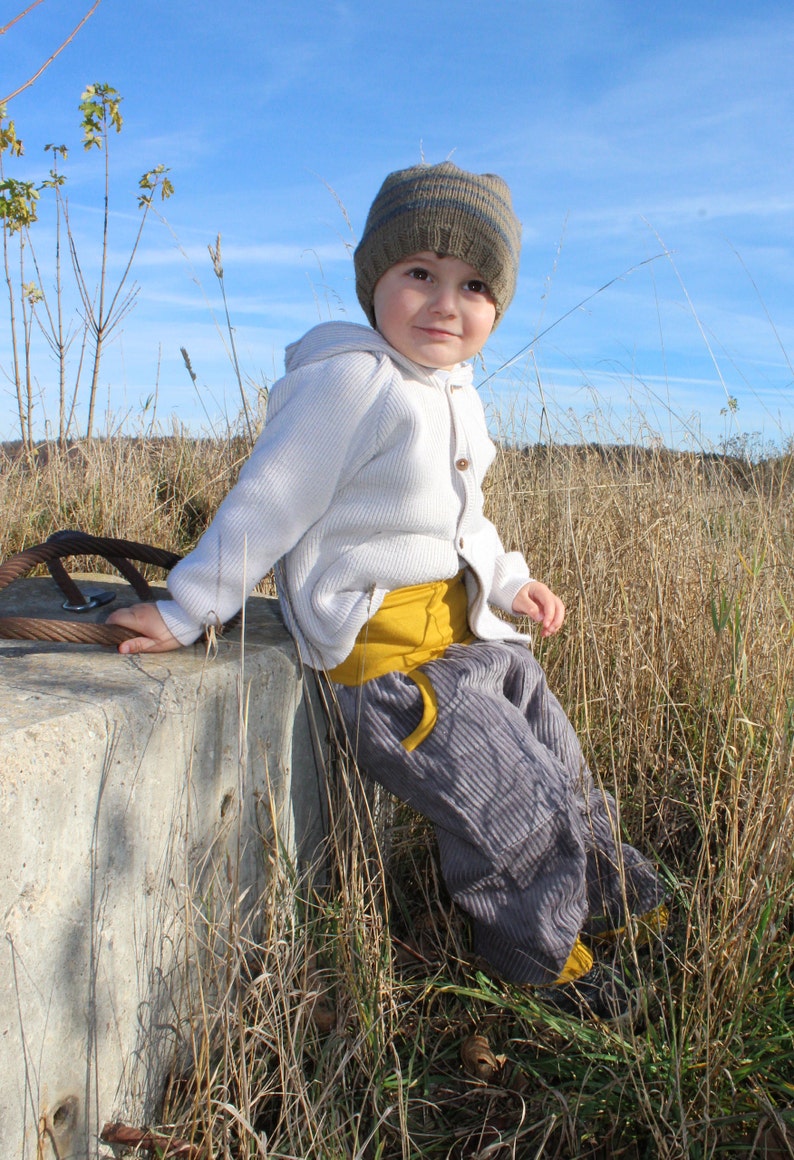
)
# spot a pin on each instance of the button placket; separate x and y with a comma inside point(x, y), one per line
point(462, 463)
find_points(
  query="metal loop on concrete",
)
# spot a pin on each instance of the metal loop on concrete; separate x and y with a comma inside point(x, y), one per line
point(119, 553)
point(92, 601)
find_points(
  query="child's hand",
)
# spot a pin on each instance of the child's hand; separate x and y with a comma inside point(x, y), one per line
point(146, 620)
point(540, 604)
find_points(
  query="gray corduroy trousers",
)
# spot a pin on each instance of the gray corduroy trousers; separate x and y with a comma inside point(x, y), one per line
point(528, 842)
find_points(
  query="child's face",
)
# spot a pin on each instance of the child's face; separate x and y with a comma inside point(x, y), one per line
point(436, 311)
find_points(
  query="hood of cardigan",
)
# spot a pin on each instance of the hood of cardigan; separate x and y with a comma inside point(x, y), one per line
point(335, 338)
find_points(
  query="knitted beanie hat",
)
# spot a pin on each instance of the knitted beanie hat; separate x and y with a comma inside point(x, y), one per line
point(444, 210)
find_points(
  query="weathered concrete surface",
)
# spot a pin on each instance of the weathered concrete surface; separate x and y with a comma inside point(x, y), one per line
point(136, 794)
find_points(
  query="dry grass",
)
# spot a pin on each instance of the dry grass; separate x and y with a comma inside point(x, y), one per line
point(338, 1034)
point(160, 491)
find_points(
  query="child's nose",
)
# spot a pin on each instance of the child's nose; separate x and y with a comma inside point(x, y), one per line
point(444, 300)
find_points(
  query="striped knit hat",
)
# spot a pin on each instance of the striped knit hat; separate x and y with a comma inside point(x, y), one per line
point(444, 210)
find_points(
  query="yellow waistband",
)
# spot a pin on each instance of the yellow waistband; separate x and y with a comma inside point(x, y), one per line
point(412, 626)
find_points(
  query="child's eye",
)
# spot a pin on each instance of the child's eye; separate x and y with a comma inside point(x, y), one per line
point(419, 272)
point(477, 286)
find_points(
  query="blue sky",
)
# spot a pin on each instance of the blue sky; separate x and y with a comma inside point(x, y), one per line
point(647, 151)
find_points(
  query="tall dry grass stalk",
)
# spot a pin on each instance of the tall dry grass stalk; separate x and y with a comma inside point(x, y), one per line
point(337, 1031)
point(158, 490)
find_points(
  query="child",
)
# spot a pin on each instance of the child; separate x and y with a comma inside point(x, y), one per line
point(364, 490)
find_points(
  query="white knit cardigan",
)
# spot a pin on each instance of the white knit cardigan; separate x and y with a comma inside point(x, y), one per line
point(366, 478)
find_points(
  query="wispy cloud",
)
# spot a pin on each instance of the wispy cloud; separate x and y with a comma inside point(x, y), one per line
point(263, 254)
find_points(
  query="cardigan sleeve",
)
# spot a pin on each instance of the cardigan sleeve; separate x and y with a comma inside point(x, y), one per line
point(511, 573)
point(322, 418)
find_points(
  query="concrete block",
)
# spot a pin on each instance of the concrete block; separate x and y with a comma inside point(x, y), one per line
point(136, 795)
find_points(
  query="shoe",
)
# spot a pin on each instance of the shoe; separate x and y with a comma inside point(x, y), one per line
point(603, 993)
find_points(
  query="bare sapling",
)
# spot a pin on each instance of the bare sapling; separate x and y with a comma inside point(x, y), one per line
point(84, 316)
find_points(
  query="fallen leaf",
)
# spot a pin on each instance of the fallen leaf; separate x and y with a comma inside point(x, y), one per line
point(165, 1146)
point(478, 1059)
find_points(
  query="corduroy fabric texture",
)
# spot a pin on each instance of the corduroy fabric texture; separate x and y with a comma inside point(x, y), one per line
point(529, 843)
point(444, 210)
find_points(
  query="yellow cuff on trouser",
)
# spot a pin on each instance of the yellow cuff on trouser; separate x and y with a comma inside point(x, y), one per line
point(644, 927)
point(579, 962)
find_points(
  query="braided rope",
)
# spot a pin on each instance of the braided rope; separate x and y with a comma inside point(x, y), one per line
point(120, 553)
point(34, 628)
